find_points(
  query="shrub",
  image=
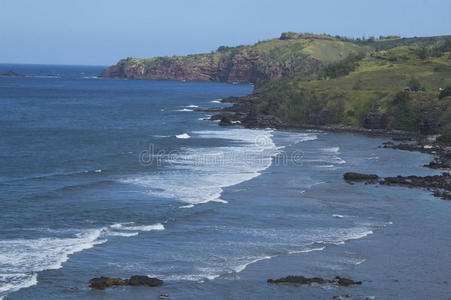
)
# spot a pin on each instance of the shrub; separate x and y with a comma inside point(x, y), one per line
point(415, 85)
point(445, 93)
point(288, 36)
point(423, 53)
point(341, 68)
point(446, 134)
point(222, 48)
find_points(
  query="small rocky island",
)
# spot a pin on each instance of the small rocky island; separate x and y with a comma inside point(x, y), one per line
point(100, 283)
point(11, 73)
point(301, 280)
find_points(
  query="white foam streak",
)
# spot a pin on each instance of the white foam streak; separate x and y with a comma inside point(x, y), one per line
point(16, 282)
point(129, 227)
point(331, 149)
point(306, 250)
point(198, 175)
point(242, 267)
point(158, 226)
point(183, 136)
point(22, 258)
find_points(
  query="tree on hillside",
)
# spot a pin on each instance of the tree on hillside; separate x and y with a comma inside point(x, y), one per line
point(445, 93)
point(415, 85)
point(288, 36)
point(423, 53)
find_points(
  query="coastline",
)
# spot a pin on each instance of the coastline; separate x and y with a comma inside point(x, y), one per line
point(279, 263)
point(386, 260)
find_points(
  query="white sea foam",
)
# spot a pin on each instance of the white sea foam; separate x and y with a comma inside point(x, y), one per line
point(183, 136)
point(216, 101)
point(306, 250)
point(192, 106)
point(23, 258)
point(157, 226)
point(13, 282)
point(337, 216)
point(361, 261)
point(200, 174)
point(331, 149)
point(185, 109)
point(242, 267)
point(338, 160)
point(124, 234)
point(129, 226)
point(293, 138)
point(187, 206)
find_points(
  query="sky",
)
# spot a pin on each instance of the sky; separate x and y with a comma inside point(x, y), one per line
point(100, 32)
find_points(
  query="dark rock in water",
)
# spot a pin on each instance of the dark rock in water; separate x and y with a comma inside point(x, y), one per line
point(345, 281)
point(438, 183)
point(215, 117)
point(164, 296)
point(101, 283)
point(211, 109)
point(12, 73)
point(98, 283)
point(144, 280)
point(430, 182)
point(443, 195)
point(298, 280)
point(357, 177)
point(225, 121)
point(301, 280)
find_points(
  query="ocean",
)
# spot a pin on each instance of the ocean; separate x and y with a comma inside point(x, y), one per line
point(110, 177)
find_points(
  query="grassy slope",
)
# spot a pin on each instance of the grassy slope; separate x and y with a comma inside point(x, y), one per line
point(271, 55)
point(373, 86)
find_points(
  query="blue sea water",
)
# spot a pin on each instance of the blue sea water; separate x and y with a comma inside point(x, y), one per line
point(108, 177)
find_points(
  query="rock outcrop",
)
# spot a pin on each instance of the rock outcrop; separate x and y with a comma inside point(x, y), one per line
point(358, 177)
point(301, 280)
point(439, 184)
point(101, 283)
point(246, 67)
point(13, 74)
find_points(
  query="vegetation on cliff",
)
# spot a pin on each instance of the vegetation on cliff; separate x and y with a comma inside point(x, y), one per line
point(397, 88)
point(266, 60)
point(308, 79)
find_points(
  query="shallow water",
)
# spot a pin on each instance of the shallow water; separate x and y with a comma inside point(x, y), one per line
point(117, 178)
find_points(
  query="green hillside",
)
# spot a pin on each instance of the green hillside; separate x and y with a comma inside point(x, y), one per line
point(397, 88)
point(263, 61)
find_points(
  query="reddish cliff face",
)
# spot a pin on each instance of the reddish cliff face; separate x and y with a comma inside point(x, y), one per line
point(266, 60)
point(242, 68)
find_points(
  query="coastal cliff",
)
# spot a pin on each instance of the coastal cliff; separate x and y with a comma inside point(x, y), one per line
point(307, 80)
point(264, 61)
point(402, 88)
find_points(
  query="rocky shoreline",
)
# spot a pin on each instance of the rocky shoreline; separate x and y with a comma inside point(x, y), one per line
point(439, 184)
point(100, 283)
point(242, 113)
point(301, 280)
